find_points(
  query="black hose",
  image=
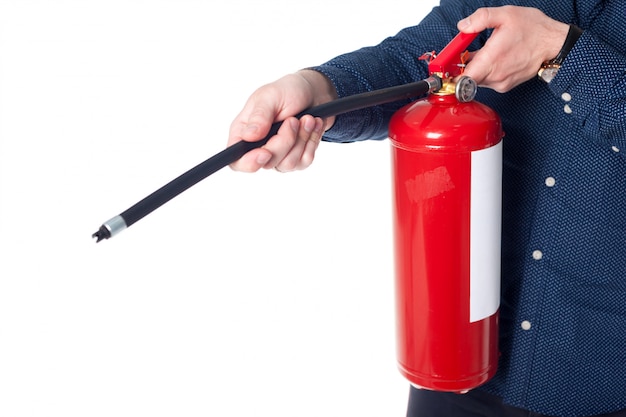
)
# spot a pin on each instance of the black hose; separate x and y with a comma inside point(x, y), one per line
point(237, 150)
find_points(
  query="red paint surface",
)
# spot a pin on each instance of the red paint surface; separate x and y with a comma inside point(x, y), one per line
point(438, 347)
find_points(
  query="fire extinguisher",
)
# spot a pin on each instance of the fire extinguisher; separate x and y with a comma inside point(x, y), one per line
point(447, 182)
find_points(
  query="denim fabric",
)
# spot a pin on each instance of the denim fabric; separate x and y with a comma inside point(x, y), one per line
point(563, 308)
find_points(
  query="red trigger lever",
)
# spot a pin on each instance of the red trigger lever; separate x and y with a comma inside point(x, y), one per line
point(450, 62)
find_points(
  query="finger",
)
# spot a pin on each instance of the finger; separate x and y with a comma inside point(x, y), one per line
point(283, 142)
point(311, 146)
point(301, 154)
point(481, 19)
point(252, 161)
point(258, 123)
point(479, 68)
point(252, 124)
point(291, 160)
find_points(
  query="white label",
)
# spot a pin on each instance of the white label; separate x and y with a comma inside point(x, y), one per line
point(485, 232)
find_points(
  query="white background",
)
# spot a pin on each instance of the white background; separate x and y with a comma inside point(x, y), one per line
point(250, 294)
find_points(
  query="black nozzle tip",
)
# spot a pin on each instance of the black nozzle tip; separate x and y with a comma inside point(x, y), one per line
point(101, 234)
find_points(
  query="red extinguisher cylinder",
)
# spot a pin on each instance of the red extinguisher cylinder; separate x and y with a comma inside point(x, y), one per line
point(447, 161)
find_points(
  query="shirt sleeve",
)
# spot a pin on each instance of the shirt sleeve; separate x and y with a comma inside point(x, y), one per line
point(395, 61)
point(592, 80)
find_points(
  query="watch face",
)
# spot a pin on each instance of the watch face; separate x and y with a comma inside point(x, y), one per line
point(547, 74)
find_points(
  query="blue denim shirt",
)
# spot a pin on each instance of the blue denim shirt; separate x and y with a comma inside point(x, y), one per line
point(564, 208)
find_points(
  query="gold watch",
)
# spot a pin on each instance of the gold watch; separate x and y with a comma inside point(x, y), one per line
point(548, 71)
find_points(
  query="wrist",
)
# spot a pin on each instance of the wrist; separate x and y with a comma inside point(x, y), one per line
point(572, 36)
point(550, 67)
point(322, 90)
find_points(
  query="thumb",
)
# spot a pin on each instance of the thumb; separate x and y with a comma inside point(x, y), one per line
point(258, 123)
point(481, 19)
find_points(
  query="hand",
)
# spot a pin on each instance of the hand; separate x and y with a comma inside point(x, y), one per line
point(522, 39)
point(295, 144)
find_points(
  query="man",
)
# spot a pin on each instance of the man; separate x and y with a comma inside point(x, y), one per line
point(563, 308)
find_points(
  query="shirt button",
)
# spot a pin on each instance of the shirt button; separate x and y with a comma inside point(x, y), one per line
point(615, 148)
point(526, 325)
point(537, 254)
point(566, 97)
point(567, 109)
point(550, 181)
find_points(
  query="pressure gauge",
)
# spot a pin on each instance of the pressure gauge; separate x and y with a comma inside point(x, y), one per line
point(466, 89)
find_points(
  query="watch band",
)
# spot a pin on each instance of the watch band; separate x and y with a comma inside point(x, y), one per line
point(573, 34)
